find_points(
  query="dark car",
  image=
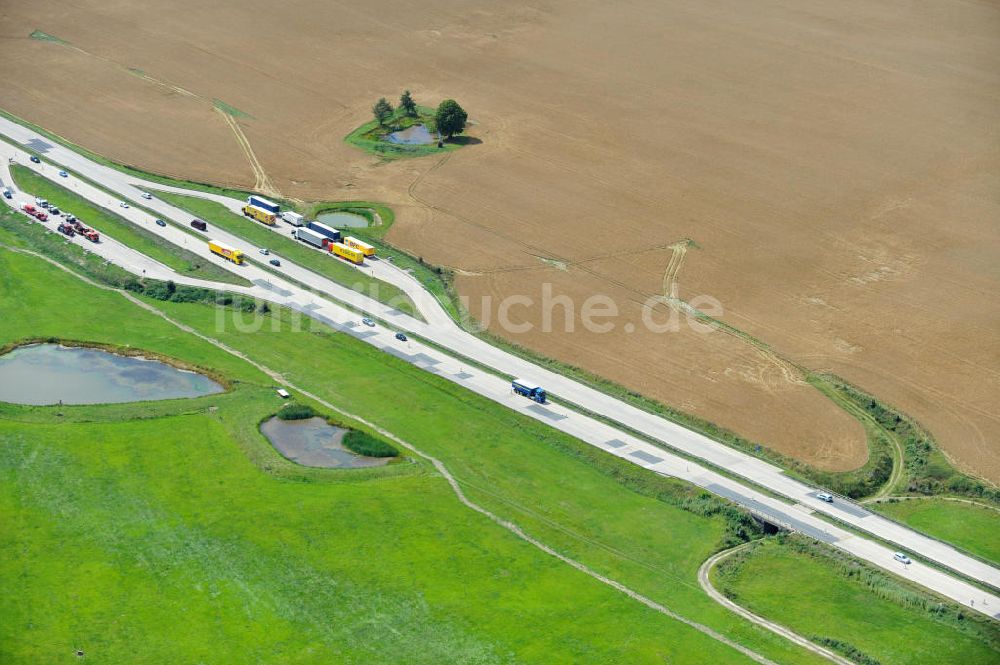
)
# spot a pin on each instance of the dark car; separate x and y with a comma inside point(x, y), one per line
point(53, 210)
point(36, 160)
point(275, 262)
point(198, 224)
point(160, 222)
point(401, 337)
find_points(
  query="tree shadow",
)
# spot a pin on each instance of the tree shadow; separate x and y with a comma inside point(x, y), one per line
point(464, 140)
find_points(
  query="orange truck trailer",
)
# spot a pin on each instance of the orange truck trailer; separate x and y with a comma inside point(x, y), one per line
point(226, 252)
point(362, 247)
point(261, 215)
point(348, 253)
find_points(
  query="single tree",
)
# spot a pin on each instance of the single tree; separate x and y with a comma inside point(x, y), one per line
point(382, 111)
point(407, 104)
point(450, 118)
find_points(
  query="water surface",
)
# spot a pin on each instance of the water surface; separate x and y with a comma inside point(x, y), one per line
point(343, 220)
point(412, 135)
point(314, 442)
point(47, 373)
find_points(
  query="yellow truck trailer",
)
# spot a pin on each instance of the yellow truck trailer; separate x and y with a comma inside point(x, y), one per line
point(226, 252)
point(362, 247)
point(345, 252)
point(260, 214)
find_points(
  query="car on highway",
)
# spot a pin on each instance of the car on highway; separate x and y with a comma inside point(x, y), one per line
point(264, 250)
point(147, 196)
point(41, 203)
point(401, 337)
point(823, 496)
point(69, 217)
point(7, 193)
point(275, 262)
point(160, 222)
point(902, 558)
point(368, 322)
point(53, 210)
point(123, 204)
point(35, 160)
point(63, 174)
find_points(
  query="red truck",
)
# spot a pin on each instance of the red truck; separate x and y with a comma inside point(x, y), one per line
point(67, 229)
point(28, 208)
point(41, 216)
point(86, 232)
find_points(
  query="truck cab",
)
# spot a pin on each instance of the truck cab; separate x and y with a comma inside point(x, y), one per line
point(528, 389)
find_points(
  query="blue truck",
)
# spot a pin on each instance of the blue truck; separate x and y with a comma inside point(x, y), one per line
point(322, 229)
point(261, 202)
point(529, 390)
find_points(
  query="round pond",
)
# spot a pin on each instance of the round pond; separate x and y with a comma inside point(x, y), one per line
point(412, 135)
point(342, 220)
point(47, 373)
point(314, 442)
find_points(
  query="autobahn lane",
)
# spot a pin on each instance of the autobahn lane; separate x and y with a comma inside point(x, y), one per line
point(799, 514)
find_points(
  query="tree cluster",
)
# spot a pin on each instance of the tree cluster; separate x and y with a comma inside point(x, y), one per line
point(450, 118)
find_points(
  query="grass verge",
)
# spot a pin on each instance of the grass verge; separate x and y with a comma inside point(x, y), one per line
point(864, 613)
point(972, 527)
point(122, 230)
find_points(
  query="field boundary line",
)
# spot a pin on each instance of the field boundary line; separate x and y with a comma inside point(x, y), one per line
point(776, 628)
point(438, 465)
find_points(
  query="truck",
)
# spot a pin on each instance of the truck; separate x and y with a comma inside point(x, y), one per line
point(29, 209)
point(261, 215)
point(88, 233)
point(198, 224)
point(293, 218)
point(225, 251)
point(348, 253)
point(41, 216)
point(322, 229)
point(362, 247)
point(263, 204)
point(528, 389)
point(67, 229)
point(311, 237)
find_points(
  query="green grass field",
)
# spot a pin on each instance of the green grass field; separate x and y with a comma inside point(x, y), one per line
point(122, 230)
point(819, 599)
point(319, 262)
point(170, 532)
point(974, 528)
point(214, 524)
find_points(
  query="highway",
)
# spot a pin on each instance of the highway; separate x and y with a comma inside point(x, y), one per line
point(798, 509)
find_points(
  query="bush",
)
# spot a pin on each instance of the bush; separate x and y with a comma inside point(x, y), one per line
point(362, 443)
point(296, 412)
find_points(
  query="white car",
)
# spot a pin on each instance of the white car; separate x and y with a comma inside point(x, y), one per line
point(123, 204)
point(264, 251)
point(823, 496)
point(902, 558)
point(63, 174)
point(147, 196)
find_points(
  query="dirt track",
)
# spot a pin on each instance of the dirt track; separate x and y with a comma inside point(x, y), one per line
point(835, 164)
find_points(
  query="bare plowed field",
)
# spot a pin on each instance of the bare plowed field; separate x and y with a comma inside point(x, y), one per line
point(831, 170)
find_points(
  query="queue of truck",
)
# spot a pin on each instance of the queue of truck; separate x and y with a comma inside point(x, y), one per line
point(69, 226)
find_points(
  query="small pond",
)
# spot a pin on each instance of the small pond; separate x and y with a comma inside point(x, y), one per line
point(343, 220)
point(314, 442)
point(412, 135)
point(47, 373)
